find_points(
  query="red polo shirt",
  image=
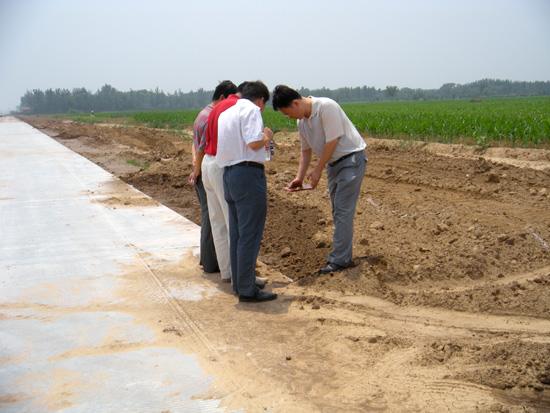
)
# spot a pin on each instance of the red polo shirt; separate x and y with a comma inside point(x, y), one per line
point(212, 128)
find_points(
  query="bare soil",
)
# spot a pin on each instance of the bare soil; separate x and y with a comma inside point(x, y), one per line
point(448, 306)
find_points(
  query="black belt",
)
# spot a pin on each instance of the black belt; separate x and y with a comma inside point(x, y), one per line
point(342, 158)
point(249, 163)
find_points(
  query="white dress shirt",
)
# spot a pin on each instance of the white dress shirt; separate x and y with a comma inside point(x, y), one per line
point(238, 126)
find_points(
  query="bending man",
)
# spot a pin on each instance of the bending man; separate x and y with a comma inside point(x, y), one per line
point(327, 131)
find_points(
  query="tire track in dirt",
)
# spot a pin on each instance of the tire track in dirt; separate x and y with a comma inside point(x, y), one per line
point(445, 319)
point(521, 277)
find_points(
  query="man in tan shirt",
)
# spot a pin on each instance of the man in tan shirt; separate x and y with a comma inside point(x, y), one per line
point(327, 131)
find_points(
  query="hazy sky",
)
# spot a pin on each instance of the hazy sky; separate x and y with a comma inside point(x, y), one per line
point(133, 44)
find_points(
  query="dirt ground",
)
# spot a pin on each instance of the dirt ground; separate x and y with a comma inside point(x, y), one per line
point(448, 306)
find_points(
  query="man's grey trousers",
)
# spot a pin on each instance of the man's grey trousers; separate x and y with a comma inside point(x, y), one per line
point(245, 191)
point(344, 184)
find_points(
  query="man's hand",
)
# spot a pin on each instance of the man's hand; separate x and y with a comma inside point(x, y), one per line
point(192, 178)
point(263, 142)
point(295, 184)
point(197, 163)
point(314, 176)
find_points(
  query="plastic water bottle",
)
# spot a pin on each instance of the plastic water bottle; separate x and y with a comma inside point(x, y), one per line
point(269, 152)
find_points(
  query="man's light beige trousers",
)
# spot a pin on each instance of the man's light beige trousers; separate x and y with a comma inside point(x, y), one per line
point(212, 179)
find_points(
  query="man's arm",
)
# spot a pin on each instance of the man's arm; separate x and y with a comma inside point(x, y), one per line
point(193, 153)
point(315, 175)
point(305, 159)
point(262, 143)
point(198, 155)
point(198, 162)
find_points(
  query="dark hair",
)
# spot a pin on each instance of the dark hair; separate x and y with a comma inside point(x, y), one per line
point(283, 96)
point(241, 87)
point(225, 88)
point(255, 90)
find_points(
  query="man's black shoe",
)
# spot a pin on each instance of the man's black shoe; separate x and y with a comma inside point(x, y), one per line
point(332, 267)
point(259, 297)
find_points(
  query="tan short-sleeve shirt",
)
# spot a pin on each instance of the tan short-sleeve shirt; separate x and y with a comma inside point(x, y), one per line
point(328, 122)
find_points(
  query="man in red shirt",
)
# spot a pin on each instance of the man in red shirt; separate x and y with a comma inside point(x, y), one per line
point(212, 178)
point(212, 123)
point(208, 258)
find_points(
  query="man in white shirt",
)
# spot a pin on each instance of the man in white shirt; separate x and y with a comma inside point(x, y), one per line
point(327, 131)
point(242, 142)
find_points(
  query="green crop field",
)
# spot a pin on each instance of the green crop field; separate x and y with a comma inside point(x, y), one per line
point(506, 121)
point(520, 121)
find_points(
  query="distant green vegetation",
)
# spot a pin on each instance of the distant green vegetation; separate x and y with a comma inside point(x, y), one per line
point(139, 164)
point(103, 117)
point(513, 121)
point(506, 121)
point(172, 120)
point(180, 119)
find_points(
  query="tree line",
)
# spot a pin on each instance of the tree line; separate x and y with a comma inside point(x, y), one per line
point(109, 99)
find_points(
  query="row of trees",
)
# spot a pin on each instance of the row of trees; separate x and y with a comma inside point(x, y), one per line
point(474, 90)
point(110, 99)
